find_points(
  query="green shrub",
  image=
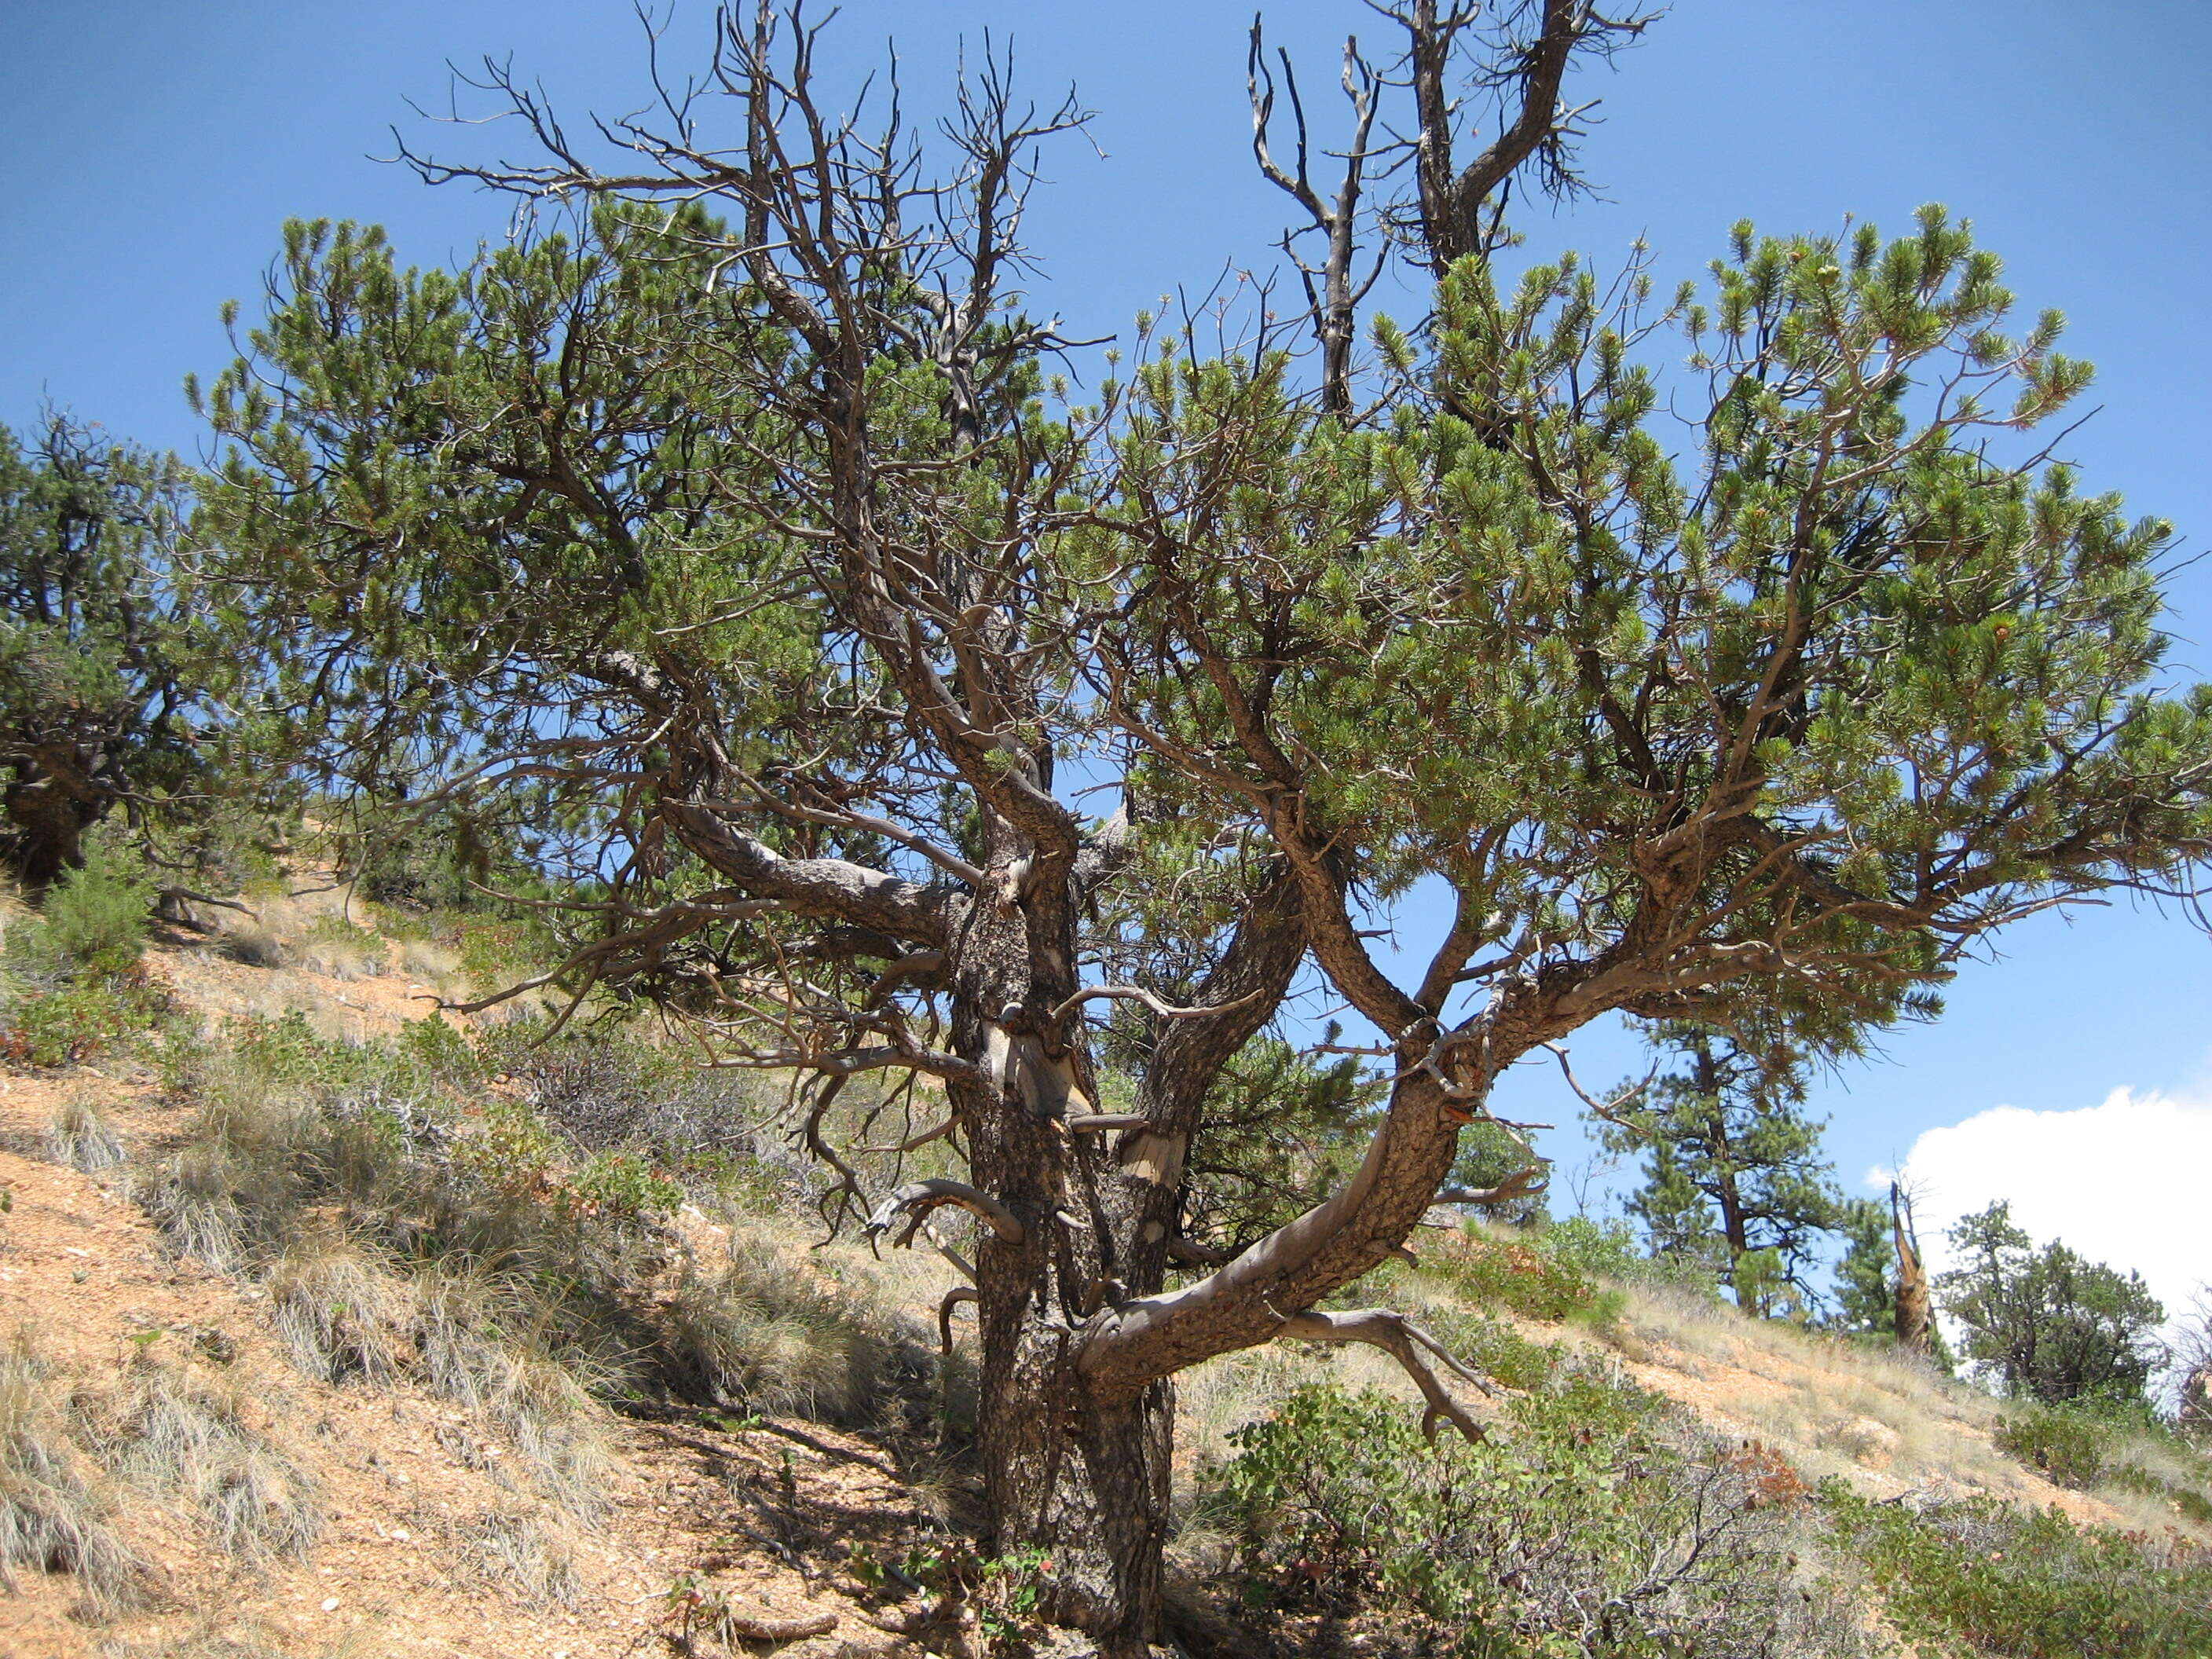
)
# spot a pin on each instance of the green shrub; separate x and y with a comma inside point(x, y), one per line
point(94, 919)
point(2073, 1449)
point(1607, 1251)
point(1583, 1525)
point(1507, 1272)
point(2034, 1586)
point(75, 1022)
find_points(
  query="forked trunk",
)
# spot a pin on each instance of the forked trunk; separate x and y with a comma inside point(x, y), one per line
point(1078, 1497)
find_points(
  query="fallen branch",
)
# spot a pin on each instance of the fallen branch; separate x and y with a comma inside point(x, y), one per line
point(1407, 1343)
point(761, 1628)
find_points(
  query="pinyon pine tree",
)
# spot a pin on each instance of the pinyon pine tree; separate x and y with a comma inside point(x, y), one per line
point(729, 525)
point(1732, 1168)
point(100, 701)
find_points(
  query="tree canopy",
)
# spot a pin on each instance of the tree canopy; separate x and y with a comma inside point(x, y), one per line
point(2045, 1324)
point(1730, 653)
point(102, 702)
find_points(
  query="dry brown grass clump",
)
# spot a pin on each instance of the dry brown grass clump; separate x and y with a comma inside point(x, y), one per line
point(79, 1136)
point(524, 1551)
point(186, 1435)
point(52, 1517)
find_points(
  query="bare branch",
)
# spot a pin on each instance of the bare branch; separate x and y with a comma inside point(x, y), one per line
point(1138, 993)
point(917, 1197)
point(1524, 1183)
point(1411, 1346)
point(953, 1299)
point(1608, 1109)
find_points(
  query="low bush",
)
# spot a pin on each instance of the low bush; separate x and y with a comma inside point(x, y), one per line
point(2073, 1447)
point(1588, 1522)
point(1509, 1273)
point(2034, 1586)
point(75, 1021)
point(94, 920)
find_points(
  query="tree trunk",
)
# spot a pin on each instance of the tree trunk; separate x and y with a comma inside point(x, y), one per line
point(1076, 1495)
point(60, 793)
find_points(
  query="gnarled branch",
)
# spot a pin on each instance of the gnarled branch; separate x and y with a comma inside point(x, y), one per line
point(1411, 1346)
point(918, 1198)
point(953, 1299)
point(1523, 1183)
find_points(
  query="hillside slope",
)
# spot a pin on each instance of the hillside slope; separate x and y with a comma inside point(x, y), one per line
point(333, 1447)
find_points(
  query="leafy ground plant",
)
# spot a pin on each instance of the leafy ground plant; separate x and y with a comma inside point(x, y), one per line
point(1585, 1523)
point(2027, 1585)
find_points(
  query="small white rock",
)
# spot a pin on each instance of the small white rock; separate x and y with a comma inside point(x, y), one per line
point(330, 1604)
point(399, 1534)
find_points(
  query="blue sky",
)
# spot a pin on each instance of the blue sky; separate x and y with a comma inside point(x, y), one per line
point(154, 150)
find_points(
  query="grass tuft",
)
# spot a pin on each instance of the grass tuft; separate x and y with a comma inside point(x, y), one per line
point(51, 1519)
point(81, 1136)
point(523, 1550)
point(187, 1436)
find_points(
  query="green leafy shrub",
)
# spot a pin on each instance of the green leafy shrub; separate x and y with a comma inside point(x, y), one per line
point(1506, 1272)
point(75, 1022)
point(2072, 1448)
point(1585, 1524)
point(73, 983)
point(1607, 1251)
point(2034, 1586)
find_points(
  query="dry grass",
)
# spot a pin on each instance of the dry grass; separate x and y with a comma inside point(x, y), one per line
point(52, 1518)
point(485, 1344)
point(213, 1636)
point(186, 1435)
point(1831, 1405)
point(332, 945)
point(342, 1313)
point(433, 966)
point(254, 943)
point(524, 1550)
point(79, 1136)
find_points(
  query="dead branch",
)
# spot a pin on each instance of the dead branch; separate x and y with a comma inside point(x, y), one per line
point(1082, 1122)
point(1606, 1109)
point(1190, 1253)
point(918, 1198)
point(953, 1299)
point(1524, 1183)
point(1407, 1343)
point(1138, 993)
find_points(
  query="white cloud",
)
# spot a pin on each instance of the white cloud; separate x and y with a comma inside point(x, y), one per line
point(2128, 1183)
